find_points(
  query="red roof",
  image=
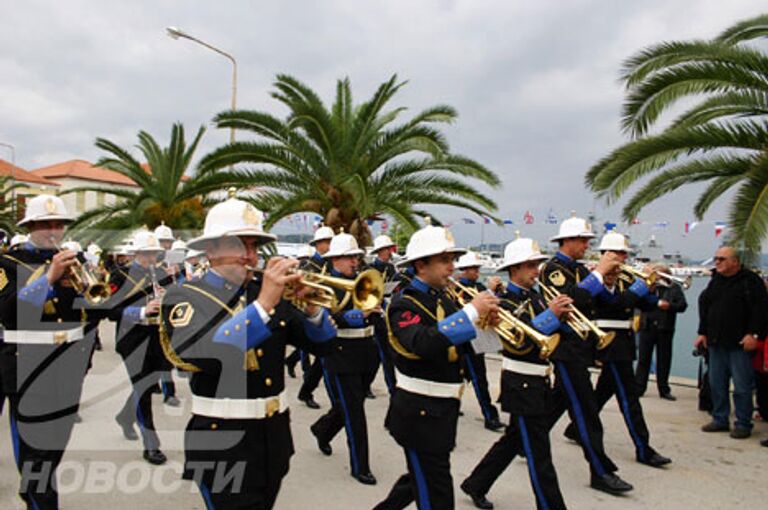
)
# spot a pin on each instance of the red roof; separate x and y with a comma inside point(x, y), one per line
point(21, 175)
point(80, 169)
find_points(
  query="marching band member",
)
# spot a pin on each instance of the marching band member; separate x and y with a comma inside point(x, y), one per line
point(428, 334)
point(574, 355)
point(383, 248)
point(348, 365)
point(45, 351)
point(615, 311)
point(231, 332)
point(526, 386)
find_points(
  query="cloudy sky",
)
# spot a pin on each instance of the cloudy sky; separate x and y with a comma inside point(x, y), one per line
point(535, 83)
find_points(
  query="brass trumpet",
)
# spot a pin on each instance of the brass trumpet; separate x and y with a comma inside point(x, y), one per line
point(95, 290)
point(366, 291)
point(579, 322)
point(685, 283)
point(511, 329)
point(648, 278)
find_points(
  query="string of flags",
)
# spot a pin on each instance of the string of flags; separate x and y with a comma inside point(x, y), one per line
point(305, 221)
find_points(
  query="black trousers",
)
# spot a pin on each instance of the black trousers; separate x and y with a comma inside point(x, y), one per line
point(474, 371)
point(528, 434)
point(313, 373)
point(428, 483)
point(249, 498)
point(662, 342)
point(575, 393)
point(761, 383)
point(617, 378)
point(385, 355)
point(347, 411)
point(143, 372)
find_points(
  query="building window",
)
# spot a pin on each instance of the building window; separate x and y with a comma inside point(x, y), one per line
point(80, 201)
point(100, 199)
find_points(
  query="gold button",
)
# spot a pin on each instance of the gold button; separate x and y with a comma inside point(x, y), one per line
point(237, 327)
point(260, 353)
point(55, 300)
point(226, 332)
point(445, 328)
point(247, 322)
point(282, 324)
point(214, 426)
point(453, 324)
point(268, 381)
point(525, 385)
point(59, 320)
point(461, 320)
point(422, 413)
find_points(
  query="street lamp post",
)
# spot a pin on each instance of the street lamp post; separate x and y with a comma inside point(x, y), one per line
point(176, 33)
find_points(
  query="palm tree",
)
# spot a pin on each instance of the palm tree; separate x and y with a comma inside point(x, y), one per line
point(165, 193)
point(349, 163)
point(721, 140)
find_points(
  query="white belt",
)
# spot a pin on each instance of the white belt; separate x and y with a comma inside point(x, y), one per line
point(239, 408)
point(613, 324)
point(14, 336)
point(429, 388)
point(521, 367)
point(355, 332)
point(154, 320)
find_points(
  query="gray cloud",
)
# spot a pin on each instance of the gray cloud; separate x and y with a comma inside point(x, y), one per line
point(535, 82)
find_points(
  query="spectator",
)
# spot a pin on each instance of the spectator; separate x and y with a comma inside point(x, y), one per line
point(731, 320)
point(657, 328)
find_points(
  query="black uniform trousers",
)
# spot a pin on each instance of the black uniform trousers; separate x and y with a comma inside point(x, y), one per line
point(42, 414)
point(312, 374)
point(142, 370)
point(348, 412)
point(428, 483)
point(167, 386)
point(575, 393)
point(385, 354)
point(473, 365)
point(662, 341)
point(252, 499)
point(617, 378)
point(530, 435)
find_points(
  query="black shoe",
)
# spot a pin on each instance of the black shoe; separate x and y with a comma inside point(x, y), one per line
point(654, 460)
point(155, 457)
point(369, 394)
point(713, 426)
point(477, 498)
point(172, 401)
point(764, 442)
point(668, 396)
point(127, 427)
point(570, 433)
point(610, 483)
point(309, 402)
point(291, 371)
point(461, 413)
point(494, 424)
point(323, 446)
point(740, 433)
point(78, 418)
point(97, 346)
point(366, 478)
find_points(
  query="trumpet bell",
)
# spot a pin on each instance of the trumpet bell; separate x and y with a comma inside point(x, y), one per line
point(604, 340)
point(97, 293)
point(547, 347)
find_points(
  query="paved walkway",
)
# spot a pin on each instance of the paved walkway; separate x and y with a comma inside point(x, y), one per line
point(104, 471)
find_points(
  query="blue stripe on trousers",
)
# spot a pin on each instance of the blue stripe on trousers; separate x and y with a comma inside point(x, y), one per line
point(580, 423)
point(624, 405)
point(389, 382)
point(348, 426)
point(327, 382)
point(15, 437)
point(421, 482)
point(148, 442)
point(206, 497)
point(531, 464)
point(476, 386)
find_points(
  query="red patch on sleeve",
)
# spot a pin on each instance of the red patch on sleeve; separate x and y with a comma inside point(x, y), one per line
point(113, 287)
point(408, 319)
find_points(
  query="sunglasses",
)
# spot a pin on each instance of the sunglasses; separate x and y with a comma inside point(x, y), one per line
point(720, 259)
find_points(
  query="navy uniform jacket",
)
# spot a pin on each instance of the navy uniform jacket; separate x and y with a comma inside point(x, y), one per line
point(523, 394)
point(317, 264)
point(212, 329)
point(426, 344)
point(131, 290)
point(351, 355)
point(620, 305)
point(570, 277)
point(28, 303)
point(387, 269)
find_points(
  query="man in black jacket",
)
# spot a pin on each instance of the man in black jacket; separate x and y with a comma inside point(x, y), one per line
point(657, 329)
point(731, 321)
